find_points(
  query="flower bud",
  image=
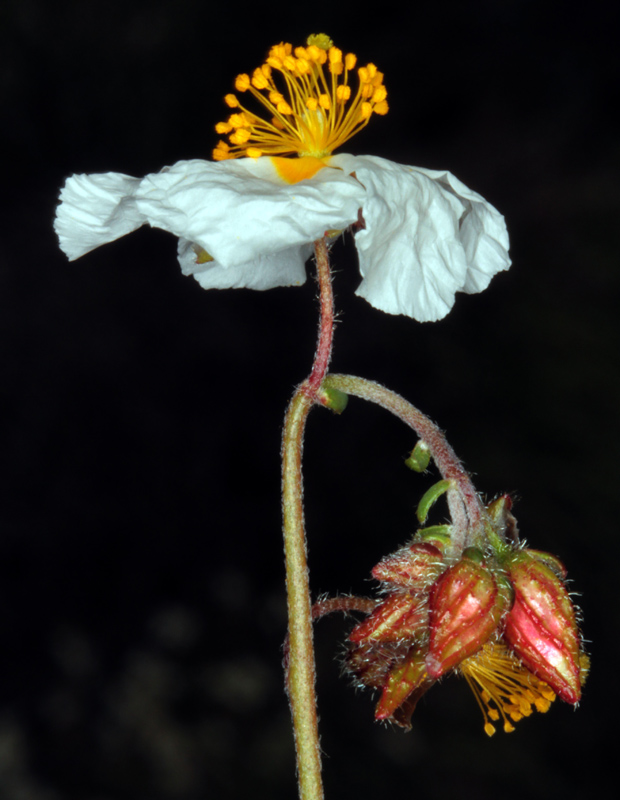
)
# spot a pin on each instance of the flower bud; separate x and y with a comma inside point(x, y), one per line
point(406, 676)
point(541, 627)
point(466, 606)
point(399, 616)
point(414, 567)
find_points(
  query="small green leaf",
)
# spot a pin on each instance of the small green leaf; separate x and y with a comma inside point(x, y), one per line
point(430, 498)
point(333, 399)
point(420, 457)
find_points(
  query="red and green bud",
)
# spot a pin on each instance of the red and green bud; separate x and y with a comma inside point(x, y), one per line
point(399, 616)
point(467, 604)
point(541, 627)
point(414, 567)
point(403, 679)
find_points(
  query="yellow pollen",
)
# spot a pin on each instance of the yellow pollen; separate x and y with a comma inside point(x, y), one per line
point(312, 110)
point(503, 686)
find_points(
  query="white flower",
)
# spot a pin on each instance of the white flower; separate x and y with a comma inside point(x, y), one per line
point(251, 221)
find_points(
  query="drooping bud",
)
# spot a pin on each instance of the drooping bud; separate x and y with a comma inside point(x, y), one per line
point(404, 678)
point(414, 567)
point(400, 616)
point(541, 627)
point(467, 604)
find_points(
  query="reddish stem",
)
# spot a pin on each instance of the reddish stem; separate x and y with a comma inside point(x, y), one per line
point(326, 324)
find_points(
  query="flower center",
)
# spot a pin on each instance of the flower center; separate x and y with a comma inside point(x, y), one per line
point(311, 108)
point(502, 685)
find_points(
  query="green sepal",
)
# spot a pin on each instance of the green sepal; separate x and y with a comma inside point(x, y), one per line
point(439, 535)
point(333, 399)
point(420, 457)
point(430, 498)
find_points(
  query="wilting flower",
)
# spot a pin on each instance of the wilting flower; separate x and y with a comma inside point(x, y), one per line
point(249, 218)
point(502, 618)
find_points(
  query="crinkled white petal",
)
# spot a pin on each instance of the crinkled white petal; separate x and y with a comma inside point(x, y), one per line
point(239, 210)
point(286, 268)
point(427, 236)
point(95, 210)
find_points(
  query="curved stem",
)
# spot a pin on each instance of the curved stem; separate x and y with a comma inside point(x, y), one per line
point(300, 667)
point(466, 509)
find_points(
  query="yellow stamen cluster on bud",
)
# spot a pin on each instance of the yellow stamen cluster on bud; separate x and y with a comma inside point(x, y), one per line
point(503, 686)
point(311, 113)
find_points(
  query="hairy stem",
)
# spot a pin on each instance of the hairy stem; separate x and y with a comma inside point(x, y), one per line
point(466, 509)
point(300, 667)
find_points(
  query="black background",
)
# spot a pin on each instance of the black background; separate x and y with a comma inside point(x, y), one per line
point(141, 570)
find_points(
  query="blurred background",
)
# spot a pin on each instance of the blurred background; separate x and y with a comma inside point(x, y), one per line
point(141, 568)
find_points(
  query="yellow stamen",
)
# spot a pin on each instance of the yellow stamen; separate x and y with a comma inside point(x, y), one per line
point(312, 111)
point(497, 677)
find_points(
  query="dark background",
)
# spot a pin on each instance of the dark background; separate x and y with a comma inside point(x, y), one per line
point(141, 570)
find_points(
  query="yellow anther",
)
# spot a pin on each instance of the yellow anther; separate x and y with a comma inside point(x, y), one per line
point(311, 110)
point(240, 136)
point(489, 729)
point(280, 51)
point(381, 108)
point(379, 94)
point(320, 40)
point(238, 120)
point(242, 83)
point(508, 728)
point(343, 93)
point(259, 81)
point(220, 153)
point(542, 704)
point(335, 55)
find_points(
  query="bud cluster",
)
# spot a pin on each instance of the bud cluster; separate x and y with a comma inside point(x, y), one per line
point(497, 613)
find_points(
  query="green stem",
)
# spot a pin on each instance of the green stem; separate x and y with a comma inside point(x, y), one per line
point(466, 509)
point(300, 668)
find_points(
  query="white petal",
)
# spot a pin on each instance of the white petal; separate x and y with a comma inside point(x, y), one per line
point(95, 210)
point(286, 268)
point(239, 210)
point(427, 237)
